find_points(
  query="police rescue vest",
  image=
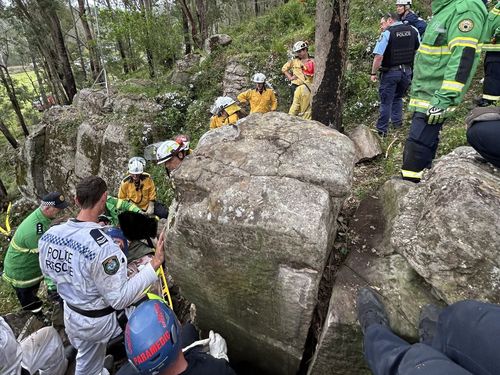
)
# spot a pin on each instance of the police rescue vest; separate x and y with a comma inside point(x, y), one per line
point(403, 42)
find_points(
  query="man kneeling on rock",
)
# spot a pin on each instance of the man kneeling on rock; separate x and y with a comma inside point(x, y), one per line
point(461, 339)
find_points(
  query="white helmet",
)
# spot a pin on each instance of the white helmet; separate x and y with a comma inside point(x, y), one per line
point(136, 165)
point(403, 2)
point(299, 45)
point(259, 78)
point(168, 149)
point(220, 103)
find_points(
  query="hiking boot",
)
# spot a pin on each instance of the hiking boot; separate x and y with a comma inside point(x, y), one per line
point(370, 309)
point(481, 102)
point(427, 323)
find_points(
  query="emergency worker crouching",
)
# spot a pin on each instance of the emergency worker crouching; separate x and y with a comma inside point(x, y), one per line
point(138, 187)
point(262, 99)
point(156, 343)
point(394, 53)
point(225, 111)
point(90, 272)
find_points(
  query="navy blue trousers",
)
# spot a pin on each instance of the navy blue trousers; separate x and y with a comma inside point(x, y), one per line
point(393, 86)
point(491, 84)
point(484, 136)
point(467, 342)
point(421, 145)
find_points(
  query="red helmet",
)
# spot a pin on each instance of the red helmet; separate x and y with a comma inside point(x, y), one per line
point(308, 68)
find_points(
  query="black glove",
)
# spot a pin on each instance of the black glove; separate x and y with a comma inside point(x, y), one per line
point(435, 116)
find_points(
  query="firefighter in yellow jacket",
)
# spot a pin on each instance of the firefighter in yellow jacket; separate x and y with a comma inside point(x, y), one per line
point(261, 99)
point(301, 105)
point(225, 111)
point(293, 69)
point(138, 187)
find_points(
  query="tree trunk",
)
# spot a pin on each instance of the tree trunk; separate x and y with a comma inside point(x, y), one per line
point(3, 196)
point(185, 29)
point(95, 64)
point(330, 58)
point(5, 131)
point(194, 31)
point(65, 73)
point(11, 93)
point(201, 14)
point(78, 41)
point(39, 79)
point(146, 10)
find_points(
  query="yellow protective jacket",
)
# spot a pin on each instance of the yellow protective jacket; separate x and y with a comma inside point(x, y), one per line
point(218, 121)
point(140, 194)
point(259, 102)
point(295, 65)
point(301, 105)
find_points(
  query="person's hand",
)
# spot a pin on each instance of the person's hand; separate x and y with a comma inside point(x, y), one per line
point(217, 345)
point(373, 78)
point(292, 78)
point(151, 208)
point(435, 116)
point(159, 257)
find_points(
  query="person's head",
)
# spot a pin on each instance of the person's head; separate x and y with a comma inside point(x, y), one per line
point(301, 49)
point(153, 338)
point(136, 167)
point(387, 20)
point(308, 69)
point(91, 193)
point(118, 238)
point(260, 80)
point(52, 204)
point(172, 153)
point(402, 6)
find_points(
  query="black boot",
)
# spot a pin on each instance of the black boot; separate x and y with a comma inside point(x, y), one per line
point(370, 309)
point(482, 102)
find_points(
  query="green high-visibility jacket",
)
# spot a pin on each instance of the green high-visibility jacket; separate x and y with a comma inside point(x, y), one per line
point(21, 266)
point(448, 55)
point(492, 30)
point(115, 206)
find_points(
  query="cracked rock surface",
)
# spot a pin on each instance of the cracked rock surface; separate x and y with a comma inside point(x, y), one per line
point(252, 227)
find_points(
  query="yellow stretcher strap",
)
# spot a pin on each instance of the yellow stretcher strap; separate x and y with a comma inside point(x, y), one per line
point(164, 289)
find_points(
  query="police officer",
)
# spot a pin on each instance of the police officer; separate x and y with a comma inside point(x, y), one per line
point(394, 54)
point(21, 268)
point(90, 272)
point(491, 84)
point(157, 344)
point(444, 66)
point(406, 15)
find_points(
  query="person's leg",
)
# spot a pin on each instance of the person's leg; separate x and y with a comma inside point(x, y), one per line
point(484, 137)
point(29, 299)
point(43, 351)
point(468, 332)
point(397, 103)
point(491, 84)
point(90, 357)
point(420, 147)
point(387, 89)
point(160, 210)
point(388, 354)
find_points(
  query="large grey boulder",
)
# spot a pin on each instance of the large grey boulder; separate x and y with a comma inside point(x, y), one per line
point(236, 77)
point(215, 41)
point(448, 227)
point(252, 226)
point(366, 143)
point(183, 71)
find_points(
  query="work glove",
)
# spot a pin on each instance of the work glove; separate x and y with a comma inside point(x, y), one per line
point(217, 345)
point(151, 208)
point(435, 116)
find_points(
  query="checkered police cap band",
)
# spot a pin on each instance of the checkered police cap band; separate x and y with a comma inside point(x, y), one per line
point(48, 203)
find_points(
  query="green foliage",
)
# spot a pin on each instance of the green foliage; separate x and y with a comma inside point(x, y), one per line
point(164, 189)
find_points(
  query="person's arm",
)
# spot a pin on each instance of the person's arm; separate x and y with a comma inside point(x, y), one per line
point(213, 122)
point(378, 52)
point(286, 70)
point(463, 37)
point(122, 191)
point(109, 273)
point(274, 101)
point(243, 97)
